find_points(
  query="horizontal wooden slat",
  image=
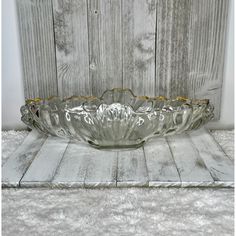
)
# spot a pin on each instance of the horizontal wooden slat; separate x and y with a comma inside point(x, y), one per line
point(42, 170)
point(20, 160)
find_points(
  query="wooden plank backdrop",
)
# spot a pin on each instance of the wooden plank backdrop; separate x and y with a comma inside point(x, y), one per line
point(154, 47)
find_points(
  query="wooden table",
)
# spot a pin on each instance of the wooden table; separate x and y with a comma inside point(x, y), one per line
point(192, 159)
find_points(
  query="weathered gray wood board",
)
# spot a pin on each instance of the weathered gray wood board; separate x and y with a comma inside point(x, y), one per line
point(17, 164)
point(132, 169)
point(155, 47)
point(139, 26)
point(71, 42)
point(83, 165)
point(105, 45)
point(187, 160)
point(42, 170)
point(161, 166)
point(102, 168)
point(190, 48)
point(217, 162)
point(190, 165)
point(37, 47)
point(72, 169)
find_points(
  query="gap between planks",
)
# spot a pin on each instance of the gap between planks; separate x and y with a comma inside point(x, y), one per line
point(179, 161)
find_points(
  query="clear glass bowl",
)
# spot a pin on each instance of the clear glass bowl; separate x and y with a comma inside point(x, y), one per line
point(118, 119)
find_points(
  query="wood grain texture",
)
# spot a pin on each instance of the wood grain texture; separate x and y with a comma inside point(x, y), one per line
point(132, 169)
point(42, 170)
point(206, 51)
point(72, 169)
point(102, 168)
point(155, 47)
point(172, 47)
point(105, 45)
point(71, 39)
point(217, 162)
point(139, 27)
point(162, 171)
point(184, 161)
point(190, 48)
point(18, 163)
point(191, 167)
point(37, 48)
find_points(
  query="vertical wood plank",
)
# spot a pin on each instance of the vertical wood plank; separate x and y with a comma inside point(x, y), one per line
point(37, 47)
point(191, 168)
point(17, 164)
point(132, 169)
point(42, 169)
point(219, 165)
point(162, 170)
point(139, 25)
point(105, 45)
point(172, 47)
point(190, 47)
point(71, 39)
point(207, 40)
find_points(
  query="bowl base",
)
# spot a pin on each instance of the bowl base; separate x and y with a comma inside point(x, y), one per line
point(116, 147)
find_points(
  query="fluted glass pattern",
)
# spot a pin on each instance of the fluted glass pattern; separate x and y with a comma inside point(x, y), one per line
point(117, 119)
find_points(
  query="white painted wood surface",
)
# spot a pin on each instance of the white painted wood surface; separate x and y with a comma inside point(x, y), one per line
point(161, 166)
point(132, 169)
point(72, 169)
point(155, 47)
point(190, 165)
point(18, 163)
point(218, 163)
point(186, 160)
point(101, 169)
point(43, 168)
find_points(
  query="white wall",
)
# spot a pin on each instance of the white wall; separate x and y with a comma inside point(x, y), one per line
point(12, 86)
point(227, 104)
point(12, 83)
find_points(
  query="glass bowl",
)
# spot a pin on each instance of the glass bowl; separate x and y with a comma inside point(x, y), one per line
point(118, 119)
